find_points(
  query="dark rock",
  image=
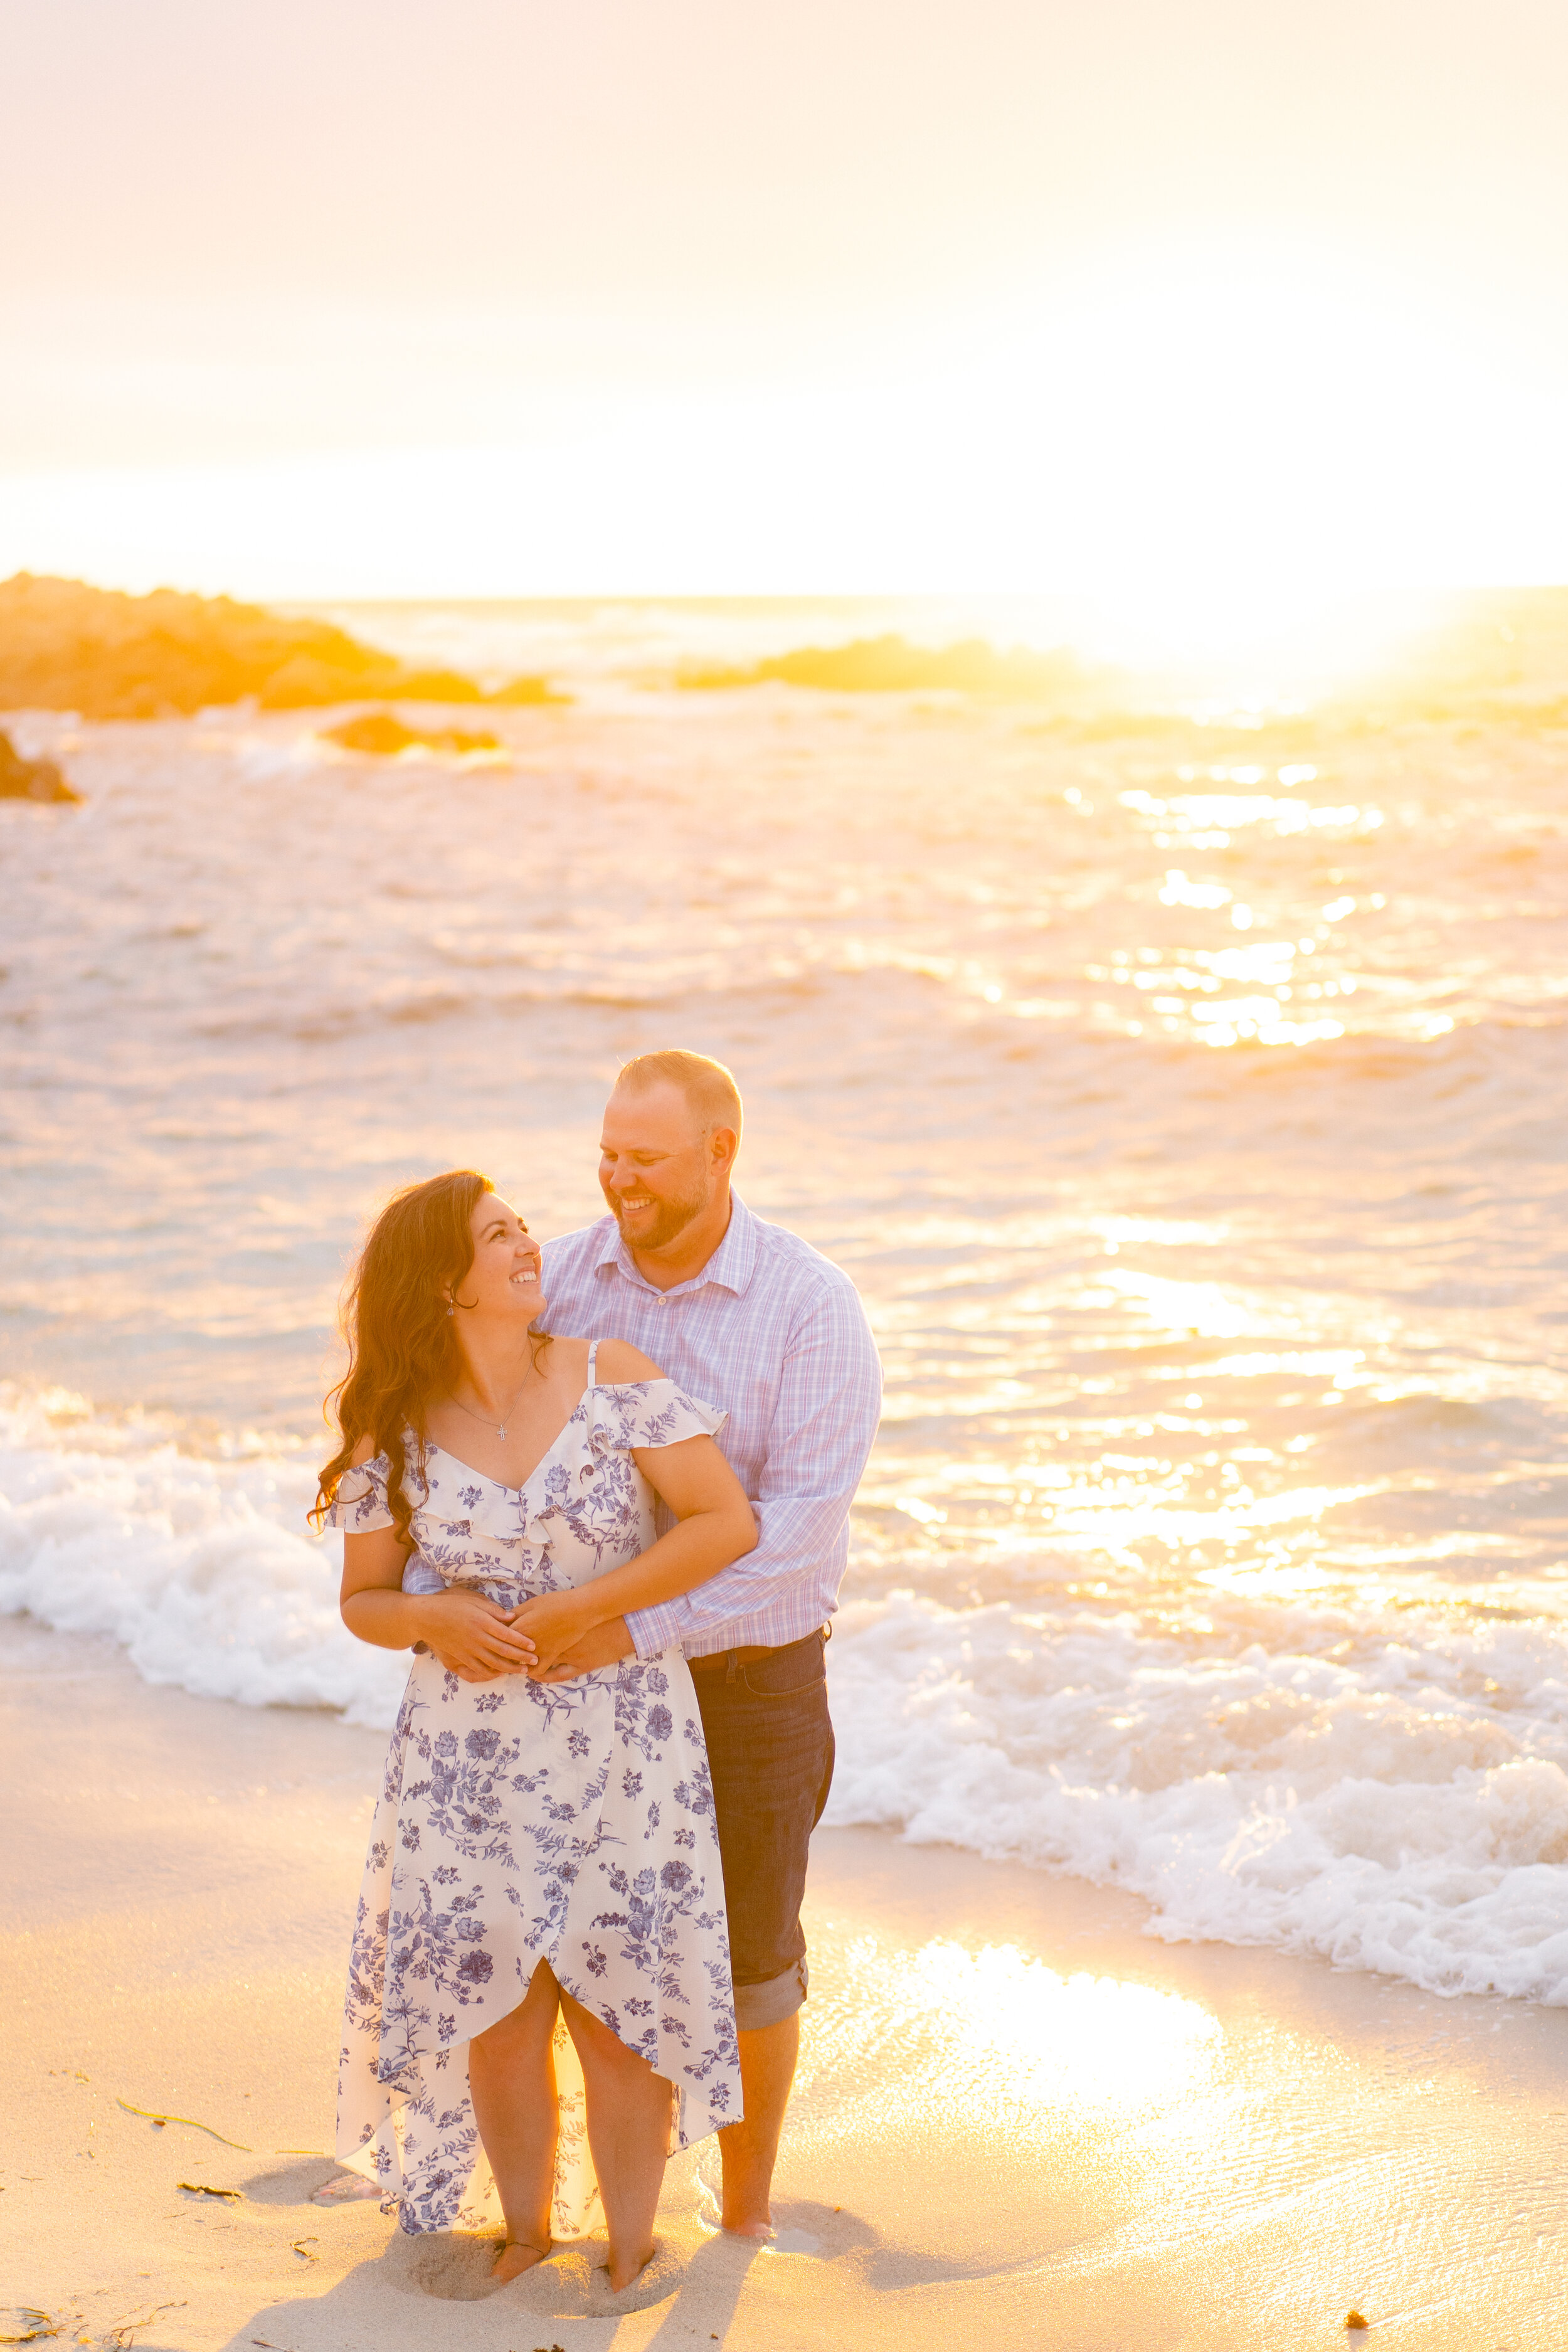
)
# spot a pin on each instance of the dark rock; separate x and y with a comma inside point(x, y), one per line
point(379, 732)
point(67, 647)
point(30, 779)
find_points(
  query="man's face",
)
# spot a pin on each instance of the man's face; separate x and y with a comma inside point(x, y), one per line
point(657, 1168)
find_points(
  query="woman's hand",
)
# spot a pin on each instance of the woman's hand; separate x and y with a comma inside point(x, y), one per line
point(553, 1622)
point(473, 1637)
point(605, 1646)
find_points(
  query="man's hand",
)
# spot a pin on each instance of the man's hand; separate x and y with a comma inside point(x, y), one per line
point(554, 1622)
point(602, 1647)
point(473, 1637)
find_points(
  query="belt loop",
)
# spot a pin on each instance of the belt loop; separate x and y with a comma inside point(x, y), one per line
point(733, 1672)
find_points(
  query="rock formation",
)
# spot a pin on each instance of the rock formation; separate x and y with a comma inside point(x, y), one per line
point(30, 779)
point(67, 647)
point(891, 665)
point(379, 732)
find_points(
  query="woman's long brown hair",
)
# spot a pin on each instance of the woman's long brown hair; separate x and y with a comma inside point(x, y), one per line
point(402, 1340)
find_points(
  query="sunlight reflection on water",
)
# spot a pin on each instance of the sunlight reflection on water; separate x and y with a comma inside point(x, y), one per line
point(993, 2034)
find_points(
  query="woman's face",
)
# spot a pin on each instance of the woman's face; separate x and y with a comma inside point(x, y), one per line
point(503, 1279)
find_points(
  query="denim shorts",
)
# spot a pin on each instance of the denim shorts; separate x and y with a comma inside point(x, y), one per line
point(770, 1750)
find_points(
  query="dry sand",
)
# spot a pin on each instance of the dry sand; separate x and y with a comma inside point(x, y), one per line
point(1020, 2123)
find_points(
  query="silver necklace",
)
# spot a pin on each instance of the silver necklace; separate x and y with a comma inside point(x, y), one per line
point(500, 1427)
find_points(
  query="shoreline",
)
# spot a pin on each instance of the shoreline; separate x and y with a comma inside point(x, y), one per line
point(1019, 2120)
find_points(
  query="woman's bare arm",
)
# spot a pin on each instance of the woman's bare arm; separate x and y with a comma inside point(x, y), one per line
point(470, 1635)
point(714, 1524)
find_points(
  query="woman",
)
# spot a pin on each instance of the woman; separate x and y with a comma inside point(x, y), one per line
point(541, 1850)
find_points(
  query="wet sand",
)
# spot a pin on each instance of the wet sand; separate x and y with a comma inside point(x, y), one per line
point(1019, 2122)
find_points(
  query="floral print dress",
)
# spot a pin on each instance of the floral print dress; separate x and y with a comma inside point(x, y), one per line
point(520, 1822)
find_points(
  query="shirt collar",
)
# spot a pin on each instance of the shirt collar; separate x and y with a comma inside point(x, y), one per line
point(731, 1265)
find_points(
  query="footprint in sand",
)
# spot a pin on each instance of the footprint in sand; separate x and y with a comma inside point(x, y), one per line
point(343, 2188)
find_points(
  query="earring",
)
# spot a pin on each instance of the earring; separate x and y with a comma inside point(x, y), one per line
point(451, 1311)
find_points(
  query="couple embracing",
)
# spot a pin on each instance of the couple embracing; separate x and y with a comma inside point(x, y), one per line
point(602, 1490)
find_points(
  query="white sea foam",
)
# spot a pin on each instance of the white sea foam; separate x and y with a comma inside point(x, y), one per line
point(203, 1568)
point(1390, 1795)
point(1390, 1792)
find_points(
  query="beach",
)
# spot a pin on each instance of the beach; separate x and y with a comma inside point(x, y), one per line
point(1190, 1917)
point(950, 626)
point(1019, 2121)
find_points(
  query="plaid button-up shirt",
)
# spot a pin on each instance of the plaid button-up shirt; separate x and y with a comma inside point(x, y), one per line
point(775, 1334)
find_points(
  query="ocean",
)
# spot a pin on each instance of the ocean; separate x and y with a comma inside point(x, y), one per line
point(1185, 1099)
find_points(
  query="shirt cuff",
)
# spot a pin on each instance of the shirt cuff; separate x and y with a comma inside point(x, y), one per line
point(654, 1631)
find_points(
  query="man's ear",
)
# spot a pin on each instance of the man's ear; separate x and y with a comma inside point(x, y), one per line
point(723, 1144)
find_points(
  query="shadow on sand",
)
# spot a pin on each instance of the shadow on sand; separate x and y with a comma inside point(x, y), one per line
point(699, 2275)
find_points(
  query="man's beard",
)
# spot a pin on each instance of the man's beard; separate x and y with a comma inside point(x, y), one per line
point(670, 1218)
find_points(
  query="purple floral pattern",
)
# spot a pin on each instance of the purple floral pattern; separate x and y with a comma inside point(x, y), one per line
point(572, 1825)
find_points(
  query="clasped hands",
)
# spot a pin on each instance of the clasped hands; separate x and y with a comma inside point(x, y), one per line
point(551, 1638)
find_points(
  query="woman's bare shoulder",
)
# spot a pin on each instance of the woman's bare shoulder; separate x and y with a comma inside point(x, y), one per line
point(363, 1451)
point(619, 1360)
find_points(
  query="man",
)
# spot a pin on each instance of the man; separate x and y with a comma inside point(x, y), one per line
point(746, 1316)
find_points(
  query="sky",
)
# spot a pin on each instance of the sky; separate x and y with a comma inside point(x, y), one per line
point(1212, 302)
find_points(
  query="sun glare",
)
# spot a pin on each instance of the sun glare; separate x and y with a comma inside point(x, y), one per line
point(1214, 466)
point(994, 2032)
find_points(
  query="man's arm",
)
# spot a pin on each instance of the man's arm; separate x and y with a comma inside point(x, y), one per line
point(830, 1401)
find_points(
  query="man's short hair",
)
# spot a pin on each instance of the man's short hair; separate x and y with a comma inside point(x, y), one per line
point(710, 1091)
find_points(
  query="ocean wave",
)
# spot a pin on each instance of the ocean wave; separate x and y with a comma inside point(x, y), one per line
point(1386, 1787)
point(201, 1567)
point(1387, 1791)
point(1496, 1059)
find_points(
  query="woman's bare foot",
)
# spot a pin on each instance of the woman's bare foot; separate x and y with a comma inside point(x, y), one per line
point(517, 2256)
point(625, 2273)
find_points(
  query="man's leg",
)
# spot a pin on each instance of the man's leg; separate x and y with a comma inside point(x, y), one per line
point(749, 2149)
point(770, 1750)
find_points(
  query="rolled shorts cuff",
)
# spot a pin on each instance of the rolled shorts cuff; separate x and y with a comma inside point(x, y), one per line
point(769, 2004)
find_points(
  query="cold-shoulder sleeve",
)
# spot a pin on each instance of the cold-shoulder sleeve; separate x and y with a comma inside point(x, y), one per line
point(360, 1506)
point(627, 1413)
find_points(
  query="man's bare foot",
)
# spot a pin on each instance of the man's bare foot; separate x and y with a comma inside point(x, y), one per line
point(740, 2223)
point(625, 2273)
point(517, 2256)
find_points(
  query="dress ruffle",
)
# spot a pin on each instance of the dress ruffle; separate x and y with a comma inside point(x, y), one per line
point(506, 1534)
point(627, 1413)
